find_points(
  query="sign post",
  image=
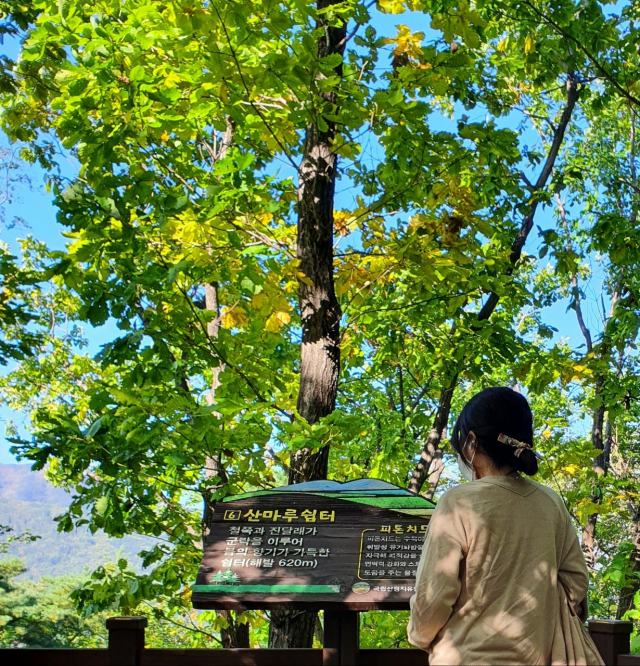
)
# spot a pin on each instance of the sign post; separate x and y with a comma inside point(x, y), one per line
point(322, 545)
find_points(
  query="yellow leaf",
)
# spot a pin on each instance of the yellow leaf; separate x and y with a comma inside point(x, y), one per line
point(546, 434)
point(529, 46)
point(585, 508)
point(502, 45)
point(304, 279)
point(341, 221)
point(234, 318)
point(283, 317)
point(277, 320)
point(392, 6)
point(407, 43)
point(223, 93)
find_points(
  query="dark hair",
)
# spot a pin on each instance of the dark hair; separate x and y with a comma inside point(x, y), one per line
point(492, 412)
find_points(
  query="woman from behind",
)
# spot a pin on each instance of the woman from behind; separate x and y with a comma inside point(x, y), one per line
point(500, 551)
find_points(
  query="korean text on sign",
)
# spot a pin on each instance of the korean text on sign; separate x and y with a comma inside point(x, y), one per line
point(281, 515)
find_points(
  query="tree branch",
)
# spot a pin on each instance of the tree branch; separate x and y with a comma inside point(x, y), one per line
point(573, 93)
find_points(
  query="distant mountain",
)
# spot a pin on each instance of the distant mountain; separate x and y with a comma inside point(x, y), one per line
point(18, 482)
point(29, 502)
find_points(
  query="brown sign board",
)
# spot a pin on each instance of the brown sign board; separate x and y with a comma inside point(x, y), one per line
point(317, 545)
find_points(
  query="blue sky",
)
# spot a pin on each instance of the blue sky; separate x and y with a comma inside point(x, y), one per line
point(36, 207)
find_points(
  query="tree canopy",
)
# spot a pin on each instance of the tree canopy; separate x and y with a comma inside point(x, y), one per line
point(319, 228)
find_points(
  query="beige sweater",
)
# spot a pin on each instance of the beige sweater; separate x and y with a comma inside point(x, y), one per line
point(486, 587)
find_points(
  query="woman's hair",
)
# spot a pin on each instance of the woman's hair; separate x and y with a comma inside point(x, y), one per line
point(492, 412)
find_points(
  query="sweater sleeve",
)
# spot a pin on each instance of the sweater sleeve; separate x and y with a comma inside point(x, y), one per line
point(572, 572)
point(437, 580)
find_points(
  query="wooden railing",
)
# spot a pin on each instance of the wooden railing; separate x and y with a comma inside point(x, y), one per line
point(126, 648)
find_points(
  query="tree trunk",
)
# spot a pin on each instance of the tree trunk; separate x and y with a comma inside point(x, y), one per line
point(597, 441)
point(213, 463)
point(628, 592)
point(431, 447)
point(437, 467)
point(632, 584)
point(603, 444)
point(423, 469)
point(236, 634)
point(319, 310)
point(289, 629)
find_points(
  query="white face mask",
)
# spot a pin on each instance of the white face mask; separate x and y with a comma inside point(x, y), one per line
point(467, 472)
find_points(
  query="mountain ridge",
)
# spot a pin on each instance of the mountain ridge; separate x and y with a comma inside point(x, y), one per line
point(28, 502)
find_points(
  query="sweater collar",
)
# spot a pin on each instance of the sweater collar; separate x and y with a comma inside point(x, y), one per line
point(515, 484)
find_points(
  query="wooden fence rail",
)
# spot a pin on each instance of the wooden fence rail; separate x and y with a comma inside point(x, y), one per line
point(127, 637)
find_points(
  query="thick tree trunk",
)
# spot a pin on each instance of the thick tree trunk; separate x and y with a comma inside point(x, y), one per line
point(289, 629)
point(319, 311)
point(319, 308)
point(425, 468)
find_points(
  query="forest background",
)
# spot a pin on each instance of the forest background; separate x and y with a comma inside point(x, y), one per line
point(296, 237)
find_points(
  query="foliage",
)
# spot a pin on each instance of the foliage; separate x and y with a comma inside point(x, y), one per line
point(41, 614)
point(187, 123)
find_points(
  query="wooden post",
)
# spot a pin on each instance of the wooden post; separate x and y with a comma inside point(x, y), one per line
point(350, 643)
point(126, 640)
point(612, 638)
point(341, 638)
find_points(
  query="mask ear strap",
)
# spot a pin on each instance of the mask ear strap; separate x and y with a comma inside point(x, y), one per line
point(474, 453)
point(466, 443)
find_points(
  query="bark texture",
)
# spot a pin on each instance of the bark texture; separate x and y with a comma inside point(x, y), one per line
point(289, 629)
point(319, 310)
point(429, 465)
point(235, 634)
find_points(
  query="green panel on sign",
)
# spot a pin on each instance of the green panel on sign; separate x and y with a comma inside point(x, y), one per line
point(268, 589)
point(381, 501)
point(390, 502)
point(359, 490)
point(255, 493)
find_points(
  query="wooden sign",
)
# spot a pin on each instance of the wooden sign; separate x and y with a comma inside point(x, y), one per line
point(314, 545)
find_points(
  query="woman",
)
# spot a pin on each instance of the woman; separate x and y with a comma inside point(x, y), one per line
point(497, 549)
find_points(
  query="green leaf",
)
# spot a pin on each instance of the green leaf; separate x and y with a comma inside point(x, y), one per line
point(94, 428)
point(102, 505)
